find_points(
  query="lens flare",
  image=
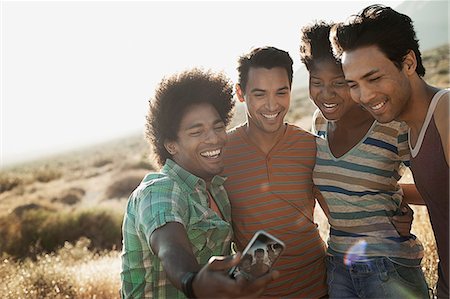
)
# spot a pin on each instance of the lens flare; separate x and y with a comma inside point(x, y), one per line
point(355, 253)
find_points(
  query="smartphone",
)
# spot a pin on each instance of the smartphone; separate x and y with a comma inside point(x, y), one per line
point(259, 255)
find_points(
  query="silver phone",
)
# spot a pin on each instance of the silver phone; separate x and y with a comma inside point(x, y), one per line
point(259, 255)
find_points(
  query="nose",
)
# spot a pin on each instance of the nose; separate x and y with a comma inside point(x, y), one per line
point(212, 136)
point(328, 92)
point(365, 95)
point(272, 103)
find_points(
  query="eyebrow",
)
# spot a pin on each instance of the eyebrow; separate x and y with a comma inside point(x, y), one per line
point(333, 78)
point(199, 125)
point(283, 88)
point(263, 90)
point(370, 73)
point(257, 90)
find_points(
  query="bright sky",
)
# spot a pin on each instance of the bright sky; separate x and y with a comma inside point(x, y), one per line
point(76, 73)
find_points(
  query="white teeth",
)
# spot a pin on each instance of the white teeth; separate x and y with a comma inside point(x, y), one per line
point(211, 154)
point(326, 105)
point(270, 116)
point(378, 106)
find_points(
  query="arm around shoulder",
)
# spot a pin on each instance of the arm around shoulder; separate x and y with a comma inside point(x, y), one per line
point(321, 200)
point(411, 195)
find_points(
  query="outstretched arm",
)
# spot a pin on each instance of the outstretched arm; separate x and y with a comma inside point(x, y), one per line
point(172, 246)
point(170, 242)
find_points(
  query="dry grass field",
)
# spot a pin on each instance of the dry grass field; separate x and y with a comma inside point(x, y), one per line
point(60, 221)
point(60, 217)
point(85, 267)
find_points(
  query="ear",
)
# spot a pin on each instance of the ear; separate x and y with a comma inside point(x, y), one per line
point(171, 147)
point(239, 93)
point(410, 62)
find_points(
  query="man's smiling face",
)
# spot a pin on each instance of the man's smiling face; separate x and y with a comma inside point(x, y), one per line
point(376, 83)
point(267, 96)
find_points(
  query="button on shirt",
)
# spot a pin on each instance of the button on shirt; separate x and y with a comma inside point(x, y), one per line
point(172, 195)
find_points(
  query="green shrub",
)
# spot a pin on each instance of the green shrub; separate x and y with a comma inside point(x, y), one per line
point(37, 231)
point(46, 174)
point(70, 196)
point(102, 162)
point(9, 181)
point(124, 185)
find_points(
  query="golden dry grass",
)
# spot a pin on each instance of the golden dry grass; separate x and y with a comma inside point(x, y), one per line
point(75, 272)
point(72, 272)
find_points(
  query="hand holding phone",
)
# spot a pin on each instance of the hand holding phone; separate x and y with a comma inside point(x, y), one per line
point(258, 256)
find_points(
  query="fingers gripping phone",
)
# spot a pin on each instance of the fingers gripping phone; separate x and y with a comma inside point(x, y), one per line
point(258, 257)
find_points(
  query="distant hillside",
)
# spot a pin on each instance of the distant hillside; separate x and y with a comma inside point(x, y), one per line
point(430, 21)
point(437, 65)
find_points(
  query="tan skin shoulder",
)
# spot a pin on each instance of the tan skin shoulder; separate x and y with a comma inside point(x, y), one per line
point(441, 119)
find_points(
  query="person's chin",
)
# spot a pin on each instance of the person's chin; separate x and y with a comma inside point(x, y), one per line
point(331, 117)
point(219, 170)
point(383, 118)
point(215, 169)
point(273, 127)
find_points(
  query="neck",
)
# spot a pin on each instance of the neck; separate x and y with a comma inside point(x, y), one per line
point(354, 118)
point(265, 141)
point(416, 107)
point(208, 184)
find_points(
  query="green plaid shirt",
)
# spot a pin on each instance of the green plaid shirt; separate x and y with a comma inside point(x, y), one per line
point(173, 195)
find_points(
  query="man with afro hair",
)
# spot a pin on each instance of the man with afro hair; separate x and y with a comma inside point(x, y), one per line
point(179, 217)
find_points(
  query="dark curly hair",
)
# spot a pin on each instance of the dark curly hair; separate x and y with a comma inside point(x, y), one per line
point(392, 32)
point(315, 44)
point(266, 57)
point(178, 92)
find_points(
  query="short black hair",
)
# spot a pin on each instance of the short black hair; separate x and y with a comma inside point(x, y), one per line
point(381, 26)
point(178, 92)
point(265, 57)
point(259, 250)
point(315, 43)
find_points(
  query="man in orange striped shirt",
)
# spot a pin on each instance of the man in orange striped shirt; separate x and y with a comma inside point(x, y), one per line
point(269, 167)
